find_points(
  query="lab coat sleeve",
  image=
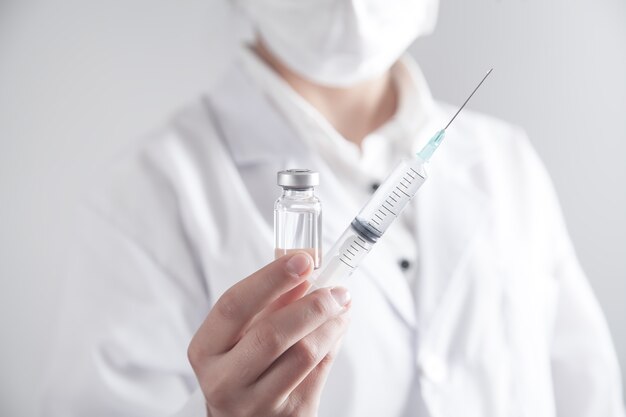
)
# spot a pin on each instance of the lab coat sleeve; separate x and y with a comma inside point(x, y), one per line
point(585, 371)
point(127, 320)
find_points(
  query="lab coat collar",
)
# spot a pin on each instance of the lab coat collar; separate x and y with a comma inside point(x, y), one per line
point(419, 127)
point(450, 208)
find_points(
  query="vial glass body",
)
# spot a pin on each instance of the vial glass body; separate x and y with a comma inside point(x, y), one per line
point(298, 224)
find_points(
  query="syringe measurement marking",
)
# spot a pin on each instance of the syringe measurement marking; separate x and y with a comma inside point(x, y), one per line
point(347, 256)
point(359, 245)
point(375, 227)
point(417, 173)
point(393, 199)
point(347, 264)
point(398, 188)
point(386, 208)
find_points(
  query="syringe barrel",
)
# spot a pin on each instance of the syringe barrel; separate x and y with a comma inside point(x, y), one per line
point(392, 196)
point(370, 224)
point(342, 259)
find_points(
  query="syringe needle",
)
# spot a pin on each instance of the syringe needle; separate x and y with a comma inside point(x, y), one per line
point(431, 146)
point(468, 99)
point(383, 208)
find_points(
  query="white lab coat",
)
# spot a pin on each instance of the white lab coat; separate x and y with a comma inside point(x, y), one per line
point(502, 321)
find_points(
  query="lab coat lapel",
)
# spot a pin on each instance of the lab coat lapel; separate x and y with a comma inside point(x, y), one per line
point(382, 268)
point(241, 126)
point(451, 210)
point(259, 141)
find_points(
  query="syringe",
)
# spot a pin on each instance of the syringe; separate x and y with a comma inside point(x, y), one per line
point(379, 212)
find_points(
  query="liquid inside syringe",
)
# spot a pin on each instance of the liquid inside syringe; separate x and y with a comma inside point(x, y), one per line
point(385, 205)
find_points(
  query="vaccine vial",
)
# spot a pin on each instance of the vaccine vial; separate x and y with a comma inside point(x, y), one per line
point(298, 215)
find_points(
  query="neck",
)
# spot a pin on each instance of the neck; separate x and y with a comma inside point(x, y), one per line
point(353, 111)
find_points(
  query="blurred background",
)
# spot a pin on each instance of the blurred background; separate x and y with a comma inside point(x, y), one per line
point(80, 80)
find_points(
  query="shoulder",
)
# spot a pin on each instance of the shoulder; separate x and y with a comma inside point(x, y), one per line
point(147, 189)
point(151, 162)
point(163, 185)
point(498, 159)
point(483, 133)
point(499, 149)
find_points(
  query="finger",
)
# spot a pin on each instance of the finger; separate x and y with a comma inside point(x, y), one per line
point(239, 304)
point(291, 369)
point(307, 395)
point(285, 299)
point(270, 338)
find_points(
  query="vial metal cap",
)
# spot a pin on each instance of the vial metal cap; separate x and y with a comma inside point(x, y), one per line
point(298, 178)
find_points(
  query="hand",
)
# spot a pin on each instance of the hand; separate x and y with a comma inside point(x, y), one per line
point(265, 349)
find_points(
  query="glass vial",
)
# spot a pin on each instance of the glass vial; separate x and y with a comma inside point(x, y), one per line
point(298, 215)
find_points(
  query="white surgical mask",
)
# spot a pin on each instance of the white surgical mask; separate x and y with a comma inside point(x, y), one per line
point(339, 43)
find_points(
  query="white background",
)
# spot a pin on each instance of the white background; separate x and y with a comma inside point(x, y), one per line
point(79, 80)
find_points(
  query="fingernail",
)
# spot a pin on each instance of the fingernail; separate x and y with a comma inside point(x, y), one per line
point(298, 264)
point(341, 295)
